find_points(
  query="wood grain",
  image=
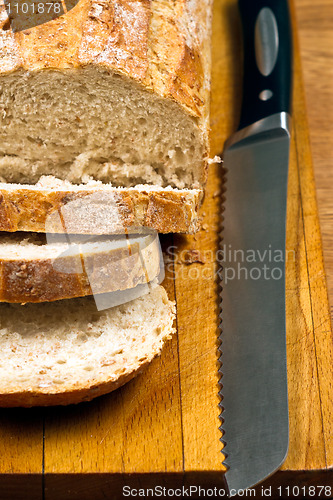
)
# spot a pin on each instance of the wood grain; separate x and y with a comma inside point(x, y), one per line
point(315, 28)
point(320, 314)
point(21, 453)
point(304, 397)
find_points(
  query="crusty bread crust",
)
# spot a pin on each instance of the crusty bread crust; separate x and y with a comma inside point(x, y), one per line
point(36, 209)
point(44, 279)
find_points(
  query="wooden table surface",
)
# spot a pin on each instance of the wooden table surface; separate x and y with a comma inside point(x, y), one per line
point(315, 30)
point(161, 422)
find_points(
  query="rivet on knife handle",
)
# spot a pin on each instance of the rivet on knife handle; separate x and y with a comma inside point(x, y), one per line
point(267, 59)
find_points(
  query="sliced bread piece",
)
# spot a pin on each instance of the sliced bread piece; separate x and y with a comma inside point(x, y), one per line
point(37, 268)
point(115, 91)
point(60, 207)
point(67, 352)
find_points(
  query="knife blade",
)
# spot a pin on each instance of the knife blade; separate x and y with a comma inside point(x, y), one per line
point(253, 339)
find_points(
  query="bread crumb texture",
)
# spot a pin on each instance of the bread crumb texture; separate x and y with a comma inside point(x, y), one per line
point(68, 351)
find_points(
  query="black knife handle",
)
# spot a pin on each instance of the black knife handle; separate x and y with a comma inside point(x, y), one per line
point(267, 59)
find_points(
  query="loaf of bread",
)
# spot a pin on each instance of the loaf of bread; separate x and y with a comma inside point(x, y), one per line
point(65, 352)
point(112, 97)
point(33, 269)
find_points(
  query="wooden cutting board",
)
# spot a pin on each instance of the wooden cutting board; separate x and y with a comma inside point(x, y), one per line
point(163, 427)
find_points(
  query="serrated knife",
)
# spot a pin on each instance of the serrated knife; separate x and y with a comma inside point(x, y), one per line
point(254, 375)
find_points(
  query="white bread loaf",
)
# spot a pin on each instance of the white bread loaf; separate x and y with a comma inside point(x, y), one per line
point(67, 352)
point(114, 92)
point(35, 269)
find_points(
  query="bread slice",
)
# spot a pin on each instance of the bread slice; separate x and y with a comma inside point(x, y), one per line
point(37, 268)
point(66, 352)
point(95, 208)
point(115, 92)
